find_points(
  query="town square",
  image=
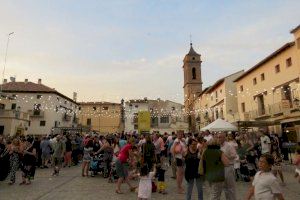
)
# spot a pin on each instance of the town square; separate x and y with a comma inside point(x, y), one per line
point(162, 99)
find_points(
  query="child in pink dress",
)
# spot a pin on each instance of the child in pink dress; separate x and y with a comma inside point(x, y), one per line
point(297, 164)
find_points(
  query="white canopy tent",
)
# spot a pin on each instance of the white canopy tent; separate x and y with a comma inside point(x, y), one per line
point(220, 125)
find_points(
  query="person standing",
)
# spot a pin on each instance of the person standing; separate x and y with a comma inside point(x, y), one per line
point(59, 149)
point(191, 170)
point(230, 152)
point(14, 151)
point(68, 153)
point(177, 149)
point(265, 143)
point(45, 147)
point(87, 157)
point(214, 162)
point(148, 153)
point(28, 162)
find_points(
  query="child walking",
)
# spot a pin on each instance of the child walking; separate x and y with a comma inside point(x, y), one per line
point(145, 184)
point(265, 184)
point(296, 162)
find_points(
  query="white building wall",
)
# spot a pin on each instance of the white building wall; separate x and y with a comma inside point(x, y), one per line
point(49, 104)
point(130, 110)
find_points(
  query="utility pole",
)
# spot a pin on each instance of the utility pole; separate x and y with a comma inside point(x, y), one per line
point(5, 59)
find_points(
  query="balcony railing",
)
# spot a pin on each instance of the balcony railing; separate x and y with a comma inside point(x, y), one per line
point(14, 114)
point(67, 117)
point(75, 120)
point(273, 110)
point(36, 113)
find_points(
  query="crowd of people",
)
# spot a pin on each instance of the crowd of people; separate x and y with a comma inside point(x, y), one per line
point(219, 158)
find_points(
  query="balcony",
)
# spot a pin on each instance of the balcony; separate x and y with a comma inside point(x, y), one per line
point(75, 120)
point(284, 107)
point(36, 113)
point(14, 114)
point(67, 117)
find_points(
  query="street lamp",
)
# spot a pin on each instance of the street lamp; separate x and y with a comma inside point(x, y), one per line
point(5, 58)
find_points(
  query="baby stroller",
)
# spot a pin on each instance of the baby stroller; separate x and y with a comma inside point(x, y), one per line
point(244, 172)
point(94, 166)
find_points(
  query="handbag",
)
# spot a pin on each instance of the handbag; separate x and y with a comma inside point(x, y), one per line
point(154, 187)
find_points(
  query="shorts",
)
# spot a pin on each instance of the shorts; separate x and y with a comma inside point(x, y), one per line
point(45, 156)
point(179, 162)
point(68, 156)
point(121, 169)
point(57, 161)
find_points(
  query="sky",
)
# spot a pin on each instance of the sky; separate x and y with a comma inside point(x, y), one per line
point(109, 50)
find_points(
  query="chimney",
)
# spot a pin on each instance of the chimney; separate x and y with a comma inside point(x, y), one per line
point(5, 80)
point(12, 79)
point(26, 80)
point(40, 81)
point(74, 96)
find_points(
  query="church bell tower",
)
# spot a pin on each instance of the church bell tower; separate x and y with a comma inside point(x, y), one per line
point(192, 85)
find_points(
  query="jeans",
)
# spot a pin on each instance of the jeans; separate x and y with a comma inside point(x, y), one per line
point(229, 184)
point(190, 185)
point(216, 190)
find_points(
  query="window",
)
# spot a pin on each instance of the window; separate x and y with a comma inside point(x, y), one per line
point(173, 108)
point(13, 106)
point(79, 108)
point(289, 62)
point(254, 81)
point(105, 108)
point(37, 107)
point(38, 96)
point(136, 106)
point(164, 119)
point(154, 121)
point(94, 108)
point(193, 58)
point(277, 68)
point(57, 98)
point(194, 73)
point(243, 107)
point(65, 102)
point(262, 77)
point(42, 123)
point(221, 91)
point(241, 88)
point(211, 97)
point(89, 121)
point(29, 123)
point(56, 124)
point(2, 106)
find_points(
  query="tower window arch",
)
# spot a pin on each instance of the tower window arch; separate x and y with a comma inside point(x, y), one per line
point(194, 73)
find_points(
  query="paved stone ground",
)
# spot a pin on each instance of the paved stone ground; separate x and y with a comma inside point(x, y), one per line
point(70, 185)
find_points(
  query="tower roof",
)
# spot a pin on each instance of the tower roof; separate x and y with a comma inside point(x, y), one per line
point(192, 52)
